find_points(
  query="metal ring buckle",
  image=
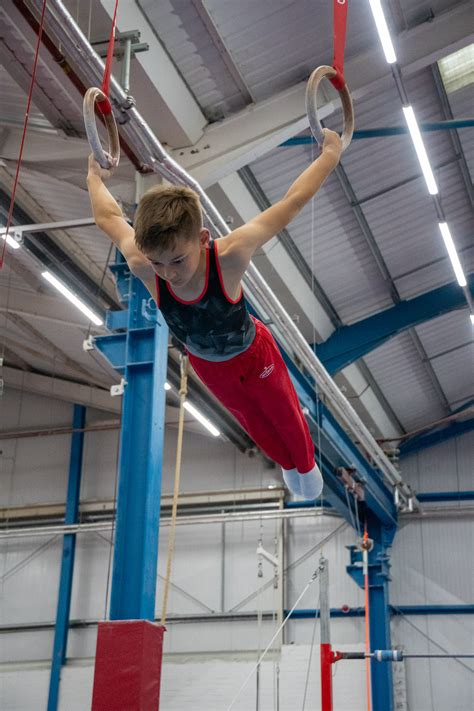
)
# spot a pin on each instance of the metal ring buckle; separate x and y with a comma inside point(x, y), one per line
point(106, 160)
point(312, 109)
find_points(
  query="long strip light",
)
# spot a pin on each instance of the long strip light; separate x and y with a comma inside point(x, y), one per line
point(453, 255)
point(198, 415)
point(420, 149)
point(10, 241)
point(472, 318)
point(200, 418)
point(382, 29)
point(72, 298)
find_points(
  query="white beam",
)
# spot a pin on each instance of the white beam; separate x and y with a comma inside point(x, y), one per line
point(162, 97)
point(59, 389)
point(230, 144)
point(242, 138)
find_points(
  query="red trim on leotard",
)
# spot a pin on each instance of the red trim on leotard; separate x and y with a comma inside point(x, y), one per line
point(221, 280)
point(206, 284)
point(157, 279)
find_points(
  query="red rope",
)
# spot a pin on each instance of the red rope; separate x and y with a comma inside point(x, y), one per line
point(104, 106)
point(25, 125)
point(340, 22)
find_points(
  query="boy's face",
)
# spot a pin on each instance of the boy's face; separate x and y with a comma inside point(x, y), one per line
point(181, 263)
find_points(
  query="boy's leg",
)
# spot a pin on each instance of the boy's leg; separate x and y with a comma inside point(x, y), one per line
point(227, 381)
point(273, 395)
point(269, 385)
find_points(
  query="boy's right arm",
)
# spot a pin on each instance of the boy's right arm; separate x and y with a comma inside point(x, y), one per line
point(109, 218)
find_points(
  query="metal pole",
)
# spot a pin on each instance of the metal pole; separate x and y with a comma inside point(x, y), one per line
point(223, 532)
point(67, 562)
point(379, 615)
point(326, 651)
point(145, 348)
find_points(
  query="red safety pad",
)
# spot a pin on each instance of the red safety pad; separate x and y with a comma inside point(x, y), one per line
point(128, 666)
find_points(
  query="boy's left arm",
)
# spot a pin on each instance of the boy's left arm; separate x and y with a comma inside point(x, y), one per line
point(243, 242)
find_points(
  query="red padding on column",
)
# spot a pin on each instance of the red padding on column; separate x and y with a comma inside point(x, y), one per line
point(128, 666)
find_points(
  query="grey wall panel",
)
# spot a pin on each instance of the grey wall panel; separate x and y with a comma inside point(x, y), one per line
point(437, 684)
point(429, 563)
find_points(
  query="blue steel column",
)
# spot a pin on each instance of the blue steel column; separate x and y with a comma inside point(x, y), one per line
point(67, 563)
point(379, 612)
point(141, 356)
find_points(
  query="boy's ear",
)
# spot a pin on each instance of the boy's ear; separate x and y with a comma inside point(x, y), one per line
point(204, 237)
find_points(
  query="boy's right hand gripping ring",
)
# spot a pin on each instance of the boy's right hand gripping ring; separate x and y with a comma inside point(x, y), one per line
point(106, 160)
point(312, 109)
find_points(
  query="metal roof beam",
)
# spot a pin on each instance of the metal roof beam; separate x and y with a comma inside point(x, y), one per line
point(431, 439)
point(165, 100)
point(349, 343)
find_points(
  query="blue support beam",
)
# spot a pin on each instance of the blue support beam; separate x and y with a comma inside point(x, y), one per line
point(349, 343)
point(430, 439)
point(337, 612)
point(379, 608)
point(441, 496)
point(68, 555)
point(141, 355)
point(450, 125)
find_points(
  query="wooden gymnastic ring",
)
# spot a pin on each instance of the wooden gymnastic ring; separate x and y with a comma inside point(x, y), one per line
point(106, 160)
point(312, 109)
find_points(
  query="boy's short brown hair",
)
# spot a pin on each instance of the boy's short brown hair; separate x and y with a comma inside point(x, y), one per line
point(165, 214)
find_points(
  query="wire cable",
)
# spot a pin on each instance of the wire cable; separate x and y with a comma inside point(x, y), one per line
point(310, 582)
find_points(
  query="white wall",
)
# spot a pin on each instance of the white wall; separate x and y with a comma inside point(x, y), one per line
point(429, 561)
point(432, 565)
point(208, 684)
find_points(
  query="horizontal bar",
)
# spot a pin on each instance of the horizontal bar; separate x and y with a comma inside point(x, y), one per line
point(437, 496)
point(250, 615)
point(50, 226)
point(395, 611)
point(390, 131)
point(427, 497)
point(228, 517)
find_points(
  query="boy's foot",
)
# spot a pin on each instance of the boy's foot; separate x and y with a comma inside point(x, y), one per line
point(292, 480)
point(311, 483)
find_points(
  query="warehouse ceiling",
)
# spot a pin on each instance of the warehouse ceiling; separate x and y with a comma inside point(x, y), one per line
point(222, 86)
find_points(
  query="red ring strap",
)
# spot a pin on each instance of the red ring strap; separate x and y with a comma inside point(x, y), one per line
point(105, 106)
point(340, 22)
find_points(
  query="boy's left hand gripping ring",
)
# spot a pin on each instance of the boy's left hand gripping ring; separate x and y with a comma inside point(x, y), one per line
point(312, 109)
point(106, 160)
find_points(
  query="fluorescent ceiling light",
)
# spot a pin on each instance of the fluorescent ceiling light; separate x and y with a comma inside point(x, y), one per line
point(200, 418)
point(72, 298)
point(10, 241)
point(453, 255)
point(472, 318)
point(420, 149)
point(382, 29)
point(457, 69)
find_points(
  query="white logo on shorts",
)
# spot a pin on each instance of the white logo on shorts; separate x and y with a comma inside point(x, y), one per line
point(268, 370)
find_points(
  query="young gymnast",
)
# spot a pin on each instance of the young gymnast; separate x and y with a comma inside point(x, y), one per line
point(196, 283)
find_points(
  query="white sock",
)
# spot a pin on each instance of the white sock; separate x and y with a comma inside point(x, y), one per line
point(311, 483)
point(292, 480)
